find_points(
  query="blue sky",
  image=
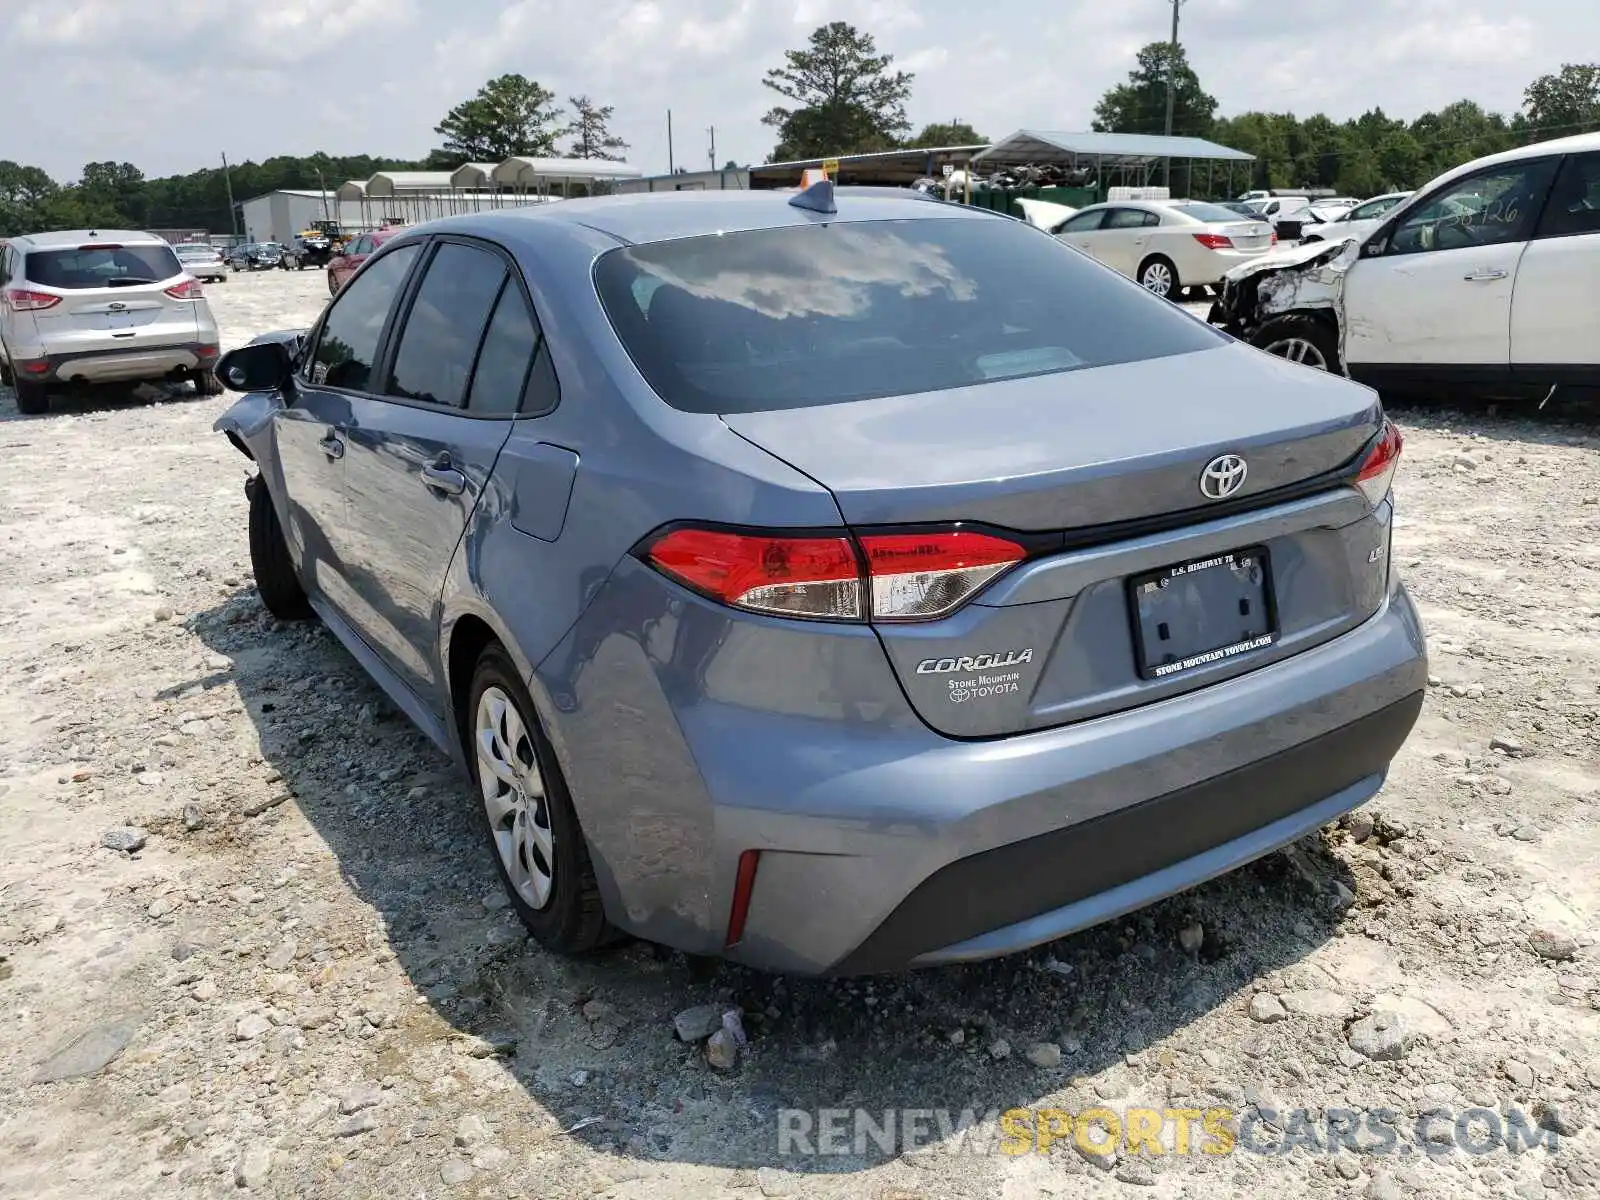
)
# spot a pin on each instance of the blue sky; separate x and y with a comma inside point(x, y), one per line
point(170, 84)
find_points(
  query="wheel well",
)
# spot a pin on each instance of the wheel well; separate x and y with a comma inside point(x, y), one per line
point(1162, 258)
point(468, 641)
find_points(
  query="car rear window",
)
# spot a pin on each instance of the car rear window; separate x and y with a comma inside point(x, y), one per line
point(846, 310)
point(1207, 212)
point(76, 267)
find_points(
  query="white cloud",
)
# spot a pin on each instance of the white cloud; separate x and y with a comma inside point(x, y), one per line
point(375, 76)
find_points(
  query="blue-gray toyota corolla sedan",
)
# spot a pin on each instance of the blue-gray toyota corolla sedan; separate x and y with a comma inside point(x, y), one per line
point(838, 582)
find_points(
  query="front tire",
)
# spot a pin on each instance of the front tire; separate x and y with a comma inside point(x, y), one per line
point(33, 399)
point(270, 561)
point(1158, 276)
point(527, 814)
point(1306, 340)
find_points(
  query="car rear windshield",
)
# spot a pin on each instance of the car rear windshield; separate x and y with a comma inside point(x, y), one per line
point(98, 267)
point(1207, 212)
point(847, 310)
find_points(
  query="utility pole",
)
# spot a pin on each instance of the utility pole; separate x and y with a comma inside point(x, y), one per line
point(227, 178)
point(713, 132)
point(323, 188)
point(1172, 78)
point(672, 167)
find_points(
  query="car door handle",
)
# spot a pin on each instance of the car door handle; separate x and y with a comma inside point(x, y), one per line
point(443, 478)
point(1485, 273)
point(332, 445)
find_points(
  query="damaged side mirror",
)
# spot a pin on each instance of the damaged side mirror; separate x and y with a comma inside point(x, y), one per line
point(261, 367)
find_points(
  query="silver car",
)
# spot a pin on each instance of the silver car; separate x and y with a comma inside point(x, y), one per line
point(100, 306)
point(1167, 245)
point(205, 262)
point(839, 582)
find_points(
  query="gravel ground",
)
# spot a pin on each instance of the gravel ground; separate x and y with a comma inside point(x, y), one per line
point(249, 939)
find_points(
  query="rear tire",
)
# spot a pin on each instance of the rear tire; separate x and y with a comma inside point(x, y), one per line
point(32, 398)
point(531, 827)
point(1159, 277)
point(207, 383)
point(1306, 340)
point(270, 562)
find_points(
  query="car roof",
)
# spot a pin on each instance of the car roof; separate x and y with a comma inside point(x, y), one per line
point(664, 216)
point(73, 238)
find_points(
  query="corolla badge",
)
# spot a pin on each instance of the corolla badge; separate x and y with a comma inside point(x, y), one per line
point(974, 662)
point(1223, 476)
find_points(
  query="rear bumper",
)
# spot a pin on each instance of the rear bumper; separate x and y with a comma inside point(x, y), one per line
point(884, 845)
point(1018, 895)
point(112, 364)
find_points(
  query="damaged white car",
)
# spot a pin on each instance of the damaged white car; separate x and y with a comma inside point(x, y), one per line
point(1481, 284)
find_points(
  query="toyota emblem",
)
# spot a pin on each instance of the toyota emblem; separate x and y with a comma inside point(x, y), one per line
point(1223, 476)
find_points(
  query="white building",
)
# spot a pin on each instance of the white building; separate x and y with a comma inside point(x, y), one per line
point(278, 216)
point(409, 197)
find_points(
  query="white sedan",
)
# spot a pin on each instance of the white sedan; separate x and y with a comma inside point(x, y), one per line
point(1355, 222)
point(202, 261)
point(1167, 245)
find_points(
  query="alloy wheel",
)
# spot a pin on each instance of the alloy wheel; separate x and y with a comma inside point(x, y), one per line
point(514, 797)
point(1298, 350)
point(1157, 278)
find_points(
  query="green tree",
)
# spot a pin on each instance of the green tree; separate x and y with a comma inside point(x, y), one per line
point(846, 99)
point(1140, 104)
point(510, 116)
point(112, 194)
point(1566, 102)
point(956, 133)
point(25, 196)
point(1457, 133)
point(591, 132)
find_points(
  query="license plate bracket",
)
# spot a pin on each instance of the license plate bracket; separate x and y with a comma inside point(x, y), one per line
point(1201, 612)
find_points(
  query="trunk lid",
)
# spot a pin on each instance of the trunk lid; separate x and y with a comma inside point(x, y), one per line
point(1087, 626)
point(1076, 448)
point(1247, 235)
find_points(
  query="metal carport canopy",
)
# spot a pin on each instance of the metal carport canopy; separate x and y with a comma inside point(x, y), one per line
point(1035, 146)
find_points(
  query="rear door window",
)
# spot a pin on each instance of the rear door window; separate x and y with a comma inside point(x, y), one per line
point(1131, 218)
point(81, 267)
point(446, 325)
point(823, 313)
point(501, 375)
point(347, 345)
point(1574, 207)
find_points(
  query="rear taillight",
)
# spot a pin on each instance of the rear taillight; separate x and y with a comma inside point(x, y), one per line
point(189, 289)
point(22, 300)
point(1214, 241)
point(1273, 241)
point(919, 576)
point(1377, 472)
point(787, 576)
point(880, 576)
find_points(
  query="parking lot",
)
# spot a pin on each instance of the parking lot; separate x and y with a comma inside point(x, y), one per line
point(305, 981)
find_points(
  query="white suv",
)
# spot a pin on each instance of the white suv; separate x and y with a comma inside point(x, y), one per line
point(100, 306)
